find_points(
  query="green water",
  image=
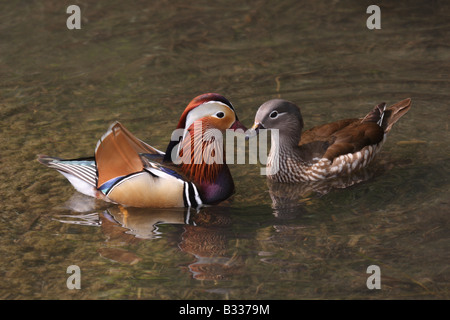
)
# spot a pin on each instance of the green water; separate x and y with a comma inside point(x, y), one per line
point(141, 63)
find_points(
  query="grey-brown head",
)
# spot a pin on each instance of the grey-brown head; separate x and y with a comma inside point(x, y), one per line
point(282, 115)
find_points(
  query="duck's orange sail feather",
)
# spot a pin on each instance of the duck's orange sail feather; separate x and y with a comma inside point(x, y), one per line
point(117, 154)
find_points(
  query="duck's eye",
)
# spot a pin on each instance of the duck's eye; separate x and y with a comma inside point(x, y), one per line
point(220, 114)
point(273, 114)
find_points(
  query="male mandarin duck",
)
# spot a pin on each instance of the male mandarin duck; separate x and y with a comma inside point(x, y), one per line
point(127, 171)
point(326, 151)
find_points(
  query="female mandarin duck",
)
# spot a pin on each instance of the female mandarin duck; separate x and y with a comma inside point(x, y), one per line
point(326, 151)
point(127, 171)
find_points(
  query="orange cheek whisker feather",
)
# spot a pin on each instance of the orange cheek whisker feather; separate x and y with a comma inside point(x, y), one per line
point(206, 158)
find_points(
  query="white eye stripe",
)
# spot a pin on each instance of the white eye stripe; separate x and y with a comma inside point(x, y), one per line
point(203, 110)
point(275, 114)
point(218, 102)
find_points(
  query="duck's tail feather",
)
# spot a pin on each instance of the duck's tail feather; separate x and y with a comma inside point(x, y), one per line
point(81, 173)
point(394, 113)
point(387, 117)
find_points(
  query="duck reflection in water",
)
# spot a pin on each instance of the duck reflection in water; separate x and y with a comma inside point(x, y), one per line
point(204, 235)
point(288, 199)
point(206, 238)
